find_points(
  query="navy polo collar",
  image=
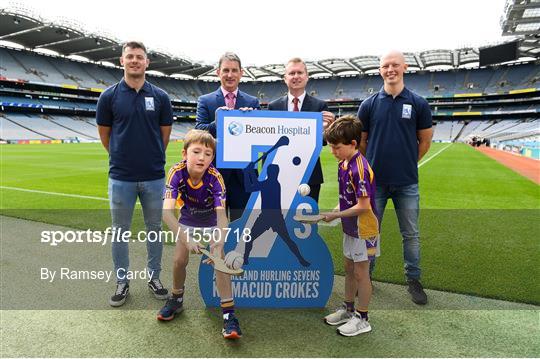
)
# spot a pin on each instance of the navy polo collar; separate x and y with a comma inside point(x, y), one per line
point(405, 93)
point(125, 87)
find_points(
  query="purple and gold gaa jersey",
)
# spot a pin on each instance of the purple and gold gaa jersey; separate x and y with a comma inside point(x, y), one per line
point(356, 180)
point(197, 203)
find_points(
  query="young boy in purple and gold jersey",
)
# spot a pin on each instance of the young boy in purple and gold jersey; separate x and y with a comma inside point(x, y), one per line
point(359, 221)
point(197, 187)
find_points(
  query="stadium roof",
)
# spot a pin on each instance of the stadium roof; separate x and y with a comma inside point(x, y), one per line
point(522, 17)
point(67, 38)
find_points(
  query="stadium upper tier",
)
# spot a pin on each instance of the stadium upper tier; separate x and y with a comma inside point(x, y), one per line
point(30, 66)
point(67, 38)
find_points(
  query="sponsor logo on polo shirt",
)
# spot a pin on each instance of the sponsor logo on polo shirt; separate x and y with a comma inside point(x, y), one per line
point(149, 103)
point(406, 112)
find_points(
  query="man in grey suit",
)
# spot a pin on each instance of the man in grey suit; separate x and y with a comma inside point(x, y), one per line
point(296, 77)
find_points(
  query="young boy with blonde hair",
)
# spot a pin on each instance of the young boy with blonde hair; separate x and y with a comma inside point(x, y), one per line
point(197, 187)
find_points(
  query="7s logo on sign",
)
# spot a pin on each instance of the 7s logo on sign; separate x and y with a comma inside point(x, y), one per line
point(286, 263)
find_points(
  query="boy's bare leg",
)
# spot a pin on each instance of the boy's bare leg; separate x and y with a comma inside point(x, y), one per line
point(358, 323)
point(180, 262)
point(224, 286)
point(361, 276)
point(223, 282)
point(350, 280)
point(231, 328)
point(342, 315)
point(174, 304)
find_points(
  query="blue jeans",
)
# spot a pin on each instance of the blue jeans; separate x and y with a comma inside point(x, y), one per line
point(406, 203)
point(122, 197)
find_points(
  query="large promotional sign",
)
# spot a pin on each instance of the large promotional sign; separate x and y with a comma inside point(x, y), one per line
point(286, 263)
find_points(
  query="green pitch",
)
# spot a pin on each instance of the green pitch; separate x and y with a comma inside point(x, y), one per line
point(478, 229)
point(478, 220)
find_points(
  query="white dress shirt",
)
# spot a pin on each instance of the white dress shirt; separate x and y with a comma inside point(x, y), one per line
point(290, 103)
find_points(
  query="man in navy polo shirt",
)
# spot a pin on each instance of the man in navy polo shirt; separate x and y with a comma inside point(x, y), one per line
point(134, 121)
point(396, 135)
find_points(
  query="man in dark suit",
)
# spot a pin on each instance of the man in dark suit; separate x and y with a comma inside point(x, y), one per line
point(296, 77)
point(227, 97)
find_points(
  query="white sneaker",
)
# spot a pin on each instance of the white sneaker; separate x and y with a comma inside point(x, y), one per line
point(354, 326)
point(340, 316)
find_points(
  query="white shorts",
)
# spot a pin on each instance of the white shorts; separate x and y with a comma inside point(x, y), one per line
point(360, 250)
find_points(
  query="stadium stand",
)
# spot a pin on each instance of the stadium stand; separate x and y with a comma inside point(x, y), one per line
point(60, 71)
point(447, 131)
point(12, 68)
point(469, 130)
point(54, 97)
point(519, 131)
point(13, 131)
point(76, 125)
point(45, 126)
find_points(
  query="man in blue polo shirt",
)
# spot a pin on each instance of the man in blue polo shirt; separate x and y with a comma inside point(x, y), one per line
point(396, 135)
point(134, 121)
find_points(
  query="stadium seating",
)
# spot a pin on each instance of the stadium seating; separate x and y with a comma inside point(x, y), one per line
point(39, 68)
point(519, 131)
point(76, 125)
point(11, 67)
point(47, 127)
point(12, 131)
point(470, 128)
point(180, 129)
point(33, 67)
point(447, 131)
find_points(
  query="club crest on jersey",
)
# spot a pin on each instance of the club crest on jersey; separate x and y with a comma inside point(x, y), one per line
point(210, 197)
point(362, 185)
point(149, 103)
point(350, 188)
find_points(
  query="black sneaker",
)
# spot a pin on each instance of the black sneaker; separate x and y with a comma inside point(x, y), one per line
point(157, 289)
point(119, 297)
point(418, 295)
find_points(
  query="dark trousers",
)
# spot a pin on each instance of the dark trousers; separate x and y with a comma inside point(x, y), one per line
point(237, 198)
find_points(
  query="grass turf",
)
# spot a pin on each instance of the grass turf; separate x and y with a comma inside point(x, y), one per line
point(477, 224)
point(450, 325)
point(135, 333)
point(477, 227)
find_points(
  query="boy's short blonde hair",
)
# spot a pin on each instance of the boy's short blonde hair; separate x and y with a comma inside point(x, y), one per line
point(344, 130)
point(199, 136)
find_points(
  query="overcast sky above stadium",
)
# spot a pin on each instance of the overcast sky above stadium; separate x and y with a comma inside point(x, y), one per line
point(266, 32)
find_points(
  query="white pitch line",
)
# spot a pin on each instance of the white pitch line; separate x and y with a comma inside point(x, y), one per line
point(54, 193)
point(435, 155)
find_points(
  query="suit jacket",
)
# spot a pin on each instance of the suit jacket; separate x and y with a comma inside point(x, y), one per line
point(209, 103)
point(311, 104)
point(206, 120)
